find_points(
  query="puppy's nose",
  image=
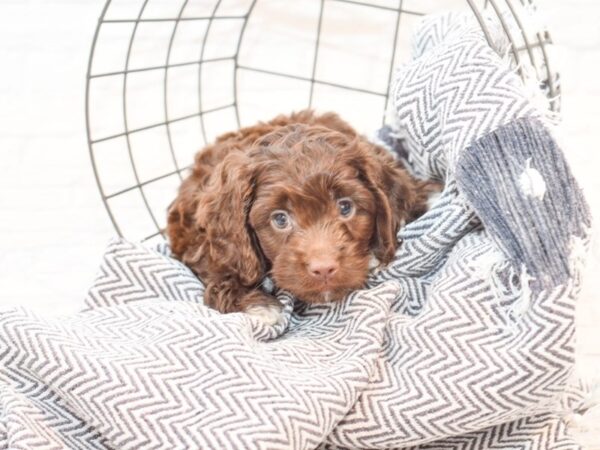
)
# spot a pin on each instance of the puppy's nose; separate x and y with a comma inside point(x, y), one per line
point(323, 268)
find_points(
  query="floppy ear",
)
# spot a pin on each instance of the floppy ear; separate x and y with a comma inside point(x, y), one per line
point(230, 247)
point(208, 228)
point(399, 197)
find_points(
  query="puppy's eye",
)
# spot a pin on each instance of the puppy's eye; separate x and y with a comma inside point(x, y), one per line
point(346, 207)
point(281, 220)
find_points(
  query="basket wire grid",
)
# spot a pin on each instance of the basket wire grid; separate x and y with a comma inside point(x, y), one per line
point(150, 106)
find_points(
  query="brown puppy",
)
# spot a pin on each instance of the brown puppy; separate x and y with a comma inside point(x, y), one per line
point(303, 199)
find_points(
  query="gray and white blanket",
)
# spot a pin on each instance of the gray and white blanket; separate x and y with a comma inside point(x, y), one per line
point(464, 342)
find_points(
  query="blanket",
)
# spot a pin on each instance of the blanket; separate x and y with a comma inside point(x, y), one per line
point(466, 341)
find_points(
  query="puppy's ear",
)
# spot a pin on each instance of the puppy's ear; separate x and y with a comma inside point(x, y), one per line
point(209, 231)
point(399, 198)
point(231, 247)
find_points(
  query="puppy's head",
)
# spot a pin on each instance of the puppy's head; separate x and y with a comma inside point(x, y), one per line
point(324, 206)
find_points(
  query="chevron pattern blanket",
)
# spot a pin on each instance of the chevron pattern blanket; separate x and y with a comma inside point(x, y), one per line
point(464, 342)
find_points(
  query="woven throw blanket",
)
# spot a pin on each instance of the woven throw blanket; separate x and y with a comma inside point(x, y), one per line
point(464, 342)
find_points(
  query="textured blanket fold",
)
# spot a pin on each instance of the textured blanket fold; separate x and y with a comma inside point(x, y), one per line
point(466, 341)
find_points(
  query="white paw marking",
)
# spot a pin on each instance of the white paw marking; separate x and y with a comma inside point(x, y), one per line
point(374, 264)
point(432, 199)
point(268, 314)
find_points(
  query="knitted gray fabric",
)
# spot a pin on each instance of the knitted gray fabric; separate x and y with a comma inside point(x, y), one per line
point(534, 228)
point(464, 342)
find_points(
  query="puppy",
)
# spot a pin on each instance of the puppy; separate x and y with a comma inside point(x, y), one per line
point(303, 199)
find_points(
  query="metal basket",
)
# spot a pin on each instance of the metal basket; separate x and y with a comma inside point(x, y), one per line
point(165, 77)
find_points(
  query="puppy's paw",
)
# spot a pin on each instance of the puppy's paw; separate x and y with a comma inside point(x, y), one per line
point(269, 314)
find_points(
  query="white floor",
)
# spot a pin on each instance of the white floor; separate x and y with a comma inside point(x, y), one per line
point(53, 226)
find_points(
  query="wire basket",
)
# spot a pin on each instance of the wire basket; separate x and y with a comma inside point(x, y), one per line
point(165, 77)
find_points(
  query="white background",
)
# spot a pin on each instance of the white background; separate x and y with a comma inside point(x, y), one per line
point(53, 226)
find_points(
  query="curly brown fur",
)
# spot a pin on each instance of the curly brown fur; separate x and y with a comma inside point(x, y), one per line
point(224, 223)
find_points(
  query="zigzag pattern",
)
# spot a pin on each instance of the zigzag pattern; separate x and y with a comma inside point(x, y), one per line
point(132, 370)
point(455, 91)
point(542, 432)
point(447, 349)
point(464, 343)
point(134, 360)
point(128, 274)
point(426, 242)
